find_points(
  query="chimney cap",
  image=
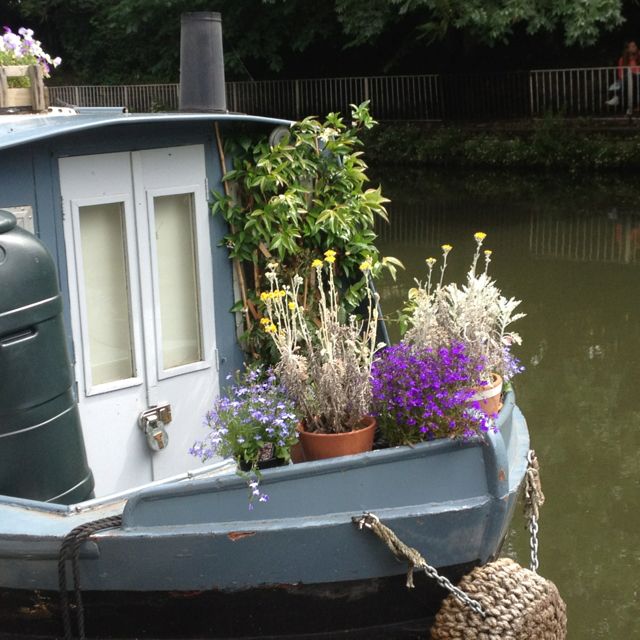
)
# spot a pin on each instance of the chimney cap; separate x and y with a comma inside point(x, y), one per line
point(214, 16)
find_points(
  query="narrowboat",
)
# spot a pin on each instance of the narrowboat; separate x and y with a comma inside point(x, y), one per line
point(109, 256)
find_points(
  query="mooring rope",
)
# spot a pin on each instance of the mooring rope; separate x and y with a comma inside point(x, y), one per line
point(70, 550)
point(403, 551)
point(497, 600)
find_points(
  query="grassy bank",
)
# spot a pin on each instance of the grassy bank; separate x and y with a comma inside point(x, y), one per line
point(551, 144)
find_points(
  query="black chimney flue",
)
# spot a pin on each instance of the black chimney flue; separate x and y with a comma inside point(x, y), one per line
point(201, 63)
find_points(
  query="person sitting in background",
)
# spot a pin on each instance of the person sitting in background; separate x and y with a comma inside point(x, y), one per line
point(629, 62)
point(630, 58)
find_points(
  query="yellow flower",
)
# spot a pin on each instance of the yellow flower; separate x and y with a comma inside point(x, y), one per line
point(430, 262)
point(446, 248)
point(330, 253)
point(281, 293)
point(293, 306)
point(271, 328)
point(316, 263)
point(487, 252)
point(264, 296)
point(265, 321)
point(413, 293)
point(330, 259)
point(366, 265)
point(479, 236)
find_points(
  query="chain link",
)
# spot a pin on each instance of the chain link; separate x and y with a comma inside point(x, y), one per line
point(533, 500)
point(445, 583)
point(533, 543)
point(416, 561)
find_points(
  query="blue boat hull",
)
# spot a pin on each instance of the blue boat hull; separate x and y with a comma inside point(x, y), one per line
point(196, 541)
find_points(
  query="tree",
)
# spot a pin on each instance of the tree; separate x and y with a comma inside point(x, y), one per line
point(138, 40)
point(490, 21)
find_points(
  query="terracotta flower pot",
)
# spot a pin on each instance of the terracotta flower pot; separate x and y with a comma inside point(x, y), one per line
point(297, 452)
point(318, 446)
point(489, 396)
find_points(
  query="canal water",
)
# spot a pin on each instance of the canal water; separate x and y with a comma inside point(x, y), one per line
point(570, 250)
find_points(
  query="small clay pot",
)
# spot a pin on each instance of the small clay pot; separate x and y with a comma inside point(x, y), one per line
point(319, 446)
point(489, 396)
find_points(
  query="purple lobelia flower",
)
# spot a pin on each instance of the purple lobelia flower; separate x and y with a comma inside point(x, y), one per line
point(254, 418)
point(420, 393)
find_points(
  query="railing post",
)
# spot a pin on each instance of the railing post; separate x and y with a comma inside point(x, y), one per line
point(297, 94)
point(531, 94)
point(76, 98)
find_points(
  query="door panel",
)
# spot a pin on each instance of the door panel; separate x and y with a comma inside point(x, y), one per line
point(141, 290)
point(100, 239)
point(181, 354)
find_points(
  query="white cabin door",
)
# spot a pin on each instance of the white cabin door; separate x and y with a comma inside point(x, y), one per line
point(141, 291)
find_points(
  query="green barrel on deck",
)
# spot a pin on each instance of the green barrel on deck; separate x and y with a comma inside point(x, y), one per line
point(42, 454)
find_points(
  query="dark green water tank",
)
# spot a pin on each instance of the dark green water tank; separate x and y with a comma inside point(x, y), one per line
point(42, 455)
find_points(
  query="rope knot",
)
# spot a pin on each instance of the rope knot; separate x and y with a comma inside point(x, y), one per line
point(534, 498)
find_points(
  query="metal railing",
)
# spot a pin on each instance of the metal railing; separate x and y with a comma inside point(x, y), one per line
point(141, 98)
point(596, 91)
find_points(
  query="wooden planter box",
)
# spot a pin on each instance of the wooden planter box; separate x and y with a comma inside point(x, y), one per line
point(33, 96)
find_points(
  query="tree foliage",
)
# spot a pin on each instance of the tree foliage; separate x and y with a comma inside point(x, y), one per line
point(138, 40)
point(490, 21)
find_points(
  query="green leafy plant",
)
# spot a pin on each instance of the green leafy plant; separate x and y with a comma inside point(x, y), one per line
point(288, 201)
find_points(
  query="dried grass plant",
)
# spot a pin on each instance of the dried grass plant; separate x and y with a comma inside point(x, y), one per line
point(475, 313)
point(324, 365)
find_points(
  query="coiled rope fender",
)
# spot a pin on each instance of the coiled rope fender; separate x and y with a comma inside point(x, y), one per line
point(519, 605)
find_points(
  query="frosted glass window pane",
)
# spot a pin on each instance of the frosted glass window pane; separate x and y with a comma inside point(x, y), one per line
point(177, 280)
point(104, 264)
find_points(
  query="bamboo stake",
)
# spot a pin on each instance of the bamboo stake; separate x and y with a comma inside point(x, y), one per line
point(248, 307)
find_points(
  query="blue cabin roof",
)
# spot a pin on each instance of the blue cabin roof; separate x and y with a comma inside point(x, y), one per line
point(23, 129)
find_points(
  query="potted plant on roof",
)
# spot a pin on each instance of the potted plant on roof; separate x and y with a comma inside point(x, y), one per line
point(475, 314)
point(23, 65)
point(325, 359)
point(255, 423)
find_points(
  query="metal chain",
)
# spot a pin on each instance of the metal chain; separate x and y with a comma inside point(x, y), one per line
point(458, 593)
point(416, 561)
point(533, 500)
point(533, 543)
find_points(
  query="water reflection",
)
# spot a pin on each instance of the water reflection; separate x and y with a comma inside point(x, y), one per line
point(611, 238)
point(573, 260)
